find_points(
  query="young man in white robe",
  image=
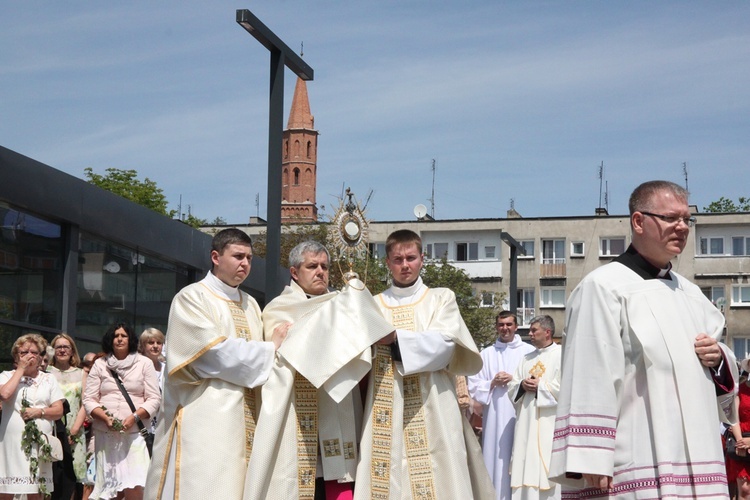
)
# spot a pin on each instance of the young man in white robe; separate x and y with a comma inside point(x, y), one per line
point(534, 390)
point(311, 418)
point(416, 444)
point(644, 381)
point(490, 388)
point(216, 356)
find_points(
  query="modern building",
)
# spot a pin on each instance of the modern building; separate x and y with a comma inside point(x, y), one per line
point(75, 258)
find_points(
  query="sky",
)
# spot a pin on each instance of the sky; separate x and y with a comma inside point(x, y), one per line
point(517, 102)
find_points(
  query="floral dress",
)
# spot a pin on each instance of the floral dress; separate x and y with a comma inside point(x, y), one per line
point(70, 383)
point(40, 391)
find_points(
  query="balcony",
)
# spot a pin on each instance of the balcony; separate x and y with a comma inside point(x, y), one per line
point(480, 269)
point(552, 268)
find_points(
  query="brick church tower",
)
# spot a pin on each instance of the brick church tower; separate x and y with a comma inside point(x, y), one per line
point(299, 161)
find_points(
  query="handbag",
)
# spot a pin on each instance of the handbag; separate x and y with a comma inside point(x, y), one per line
point(56, 451)
point(147, 436)
point(730, 447)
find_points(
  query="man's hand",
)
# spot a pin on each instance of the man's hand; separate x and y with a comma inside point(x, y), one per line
point(388, 339)
point(501, 379)
point(279, 334)
point(530, 384)
point(598, 481)
point(708, 350)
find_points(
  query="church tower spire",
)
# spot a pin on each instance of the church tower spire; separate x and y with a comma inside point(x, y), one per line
point(299, 161)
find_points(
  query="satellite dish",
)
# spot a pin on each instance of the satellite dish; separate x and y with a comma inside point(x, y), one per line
point(420, 211)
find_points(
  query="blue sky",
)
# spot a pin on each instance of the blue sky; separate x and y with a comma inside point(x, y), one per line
point(514, 100)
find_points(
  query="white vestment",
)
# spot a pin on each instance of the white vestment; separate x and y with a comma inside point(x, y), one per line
point(535, 424)
point(312, 409)
point(636, 404)
point(415, 443)
point(204, 432)
point(499, 414)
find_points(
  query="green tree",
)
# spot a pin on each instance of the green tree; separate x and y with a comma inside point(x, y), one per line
point(193, 221)
point(724, 205)
point(125, 183)
point(479, 320)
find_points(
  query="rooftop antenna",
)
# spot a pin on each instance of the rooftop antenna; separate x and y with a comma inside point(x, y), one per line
point(601, 178)
point(302, 49)
point(606, 196)
point(432, 198)
point(257, 205)
point(512, 204)
point(369, 195)
point(685, 173)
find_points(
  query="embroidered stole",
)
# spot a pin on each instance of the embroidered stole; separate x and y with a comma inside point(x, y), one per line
point(242, 330)
point(306, 409)
point(415, 429)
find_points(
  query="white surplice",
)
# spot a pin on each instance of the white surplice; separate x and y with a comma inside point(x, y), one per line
point(415, 443)
point(535, 424)
point(499, 414)
point(329, 346)
point(636, 404)
point(200, 447)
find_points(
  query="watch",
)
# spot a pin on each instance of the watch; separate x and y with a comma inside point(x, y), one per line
point(136, 417)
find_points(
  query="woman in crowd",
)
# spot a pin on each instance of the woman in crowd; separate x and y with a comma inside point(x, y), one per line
point(30, 398)
point(65, 366)
point(122, 458)
point(739, 472)
point(150, 344)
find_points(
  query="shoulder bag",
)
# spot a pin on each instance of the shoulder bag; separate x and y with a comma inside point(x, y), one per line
point(147, 436)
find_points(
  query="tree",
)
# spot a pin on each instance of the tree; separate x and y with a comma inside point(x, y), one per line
point(479, 320)
point(125, 183)
point(724, 205)
point(193, 221)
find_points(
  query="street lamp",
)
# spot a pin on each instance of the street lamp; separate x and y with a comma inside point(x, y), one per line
point(281, 55)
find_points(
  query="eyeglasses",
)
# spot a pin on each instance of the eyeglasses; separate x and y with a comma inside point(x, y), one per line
point(673, 219)
point(63, 348)
point(24, 353)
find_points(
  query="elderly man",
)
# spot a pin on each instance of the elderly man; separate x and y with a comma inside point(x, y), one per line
point(215, 357)
point(310, 420)
point(490, 388)
point(637, 413)
point(416, 444)
point(534, 390)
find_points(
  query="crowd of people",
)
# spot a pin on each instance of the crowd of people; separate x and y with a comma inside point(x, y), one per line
point(338, 394)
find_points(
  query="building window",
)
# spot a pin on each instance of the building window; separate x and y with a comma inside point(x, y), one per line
point(377, 250)
point(309, 149)
point(612, 247)
point(716, 295)
point(525, 301)
point(552, 297)
point(741, 295)
point(711, 246)
point(577, 249)
point(488, 299)
point(553, 251)
point(441, 250)
point(528, 246)
point(741, 347)
point(489, 252)
point(296, 176)
point(740, 245)
point(467, 251)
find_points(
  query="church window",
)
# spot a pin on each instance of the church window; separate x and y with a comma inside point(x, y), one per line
point(296, 177)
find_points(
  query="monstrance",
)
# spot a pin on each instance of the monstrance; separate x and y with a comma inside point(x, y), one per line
point(350, 232)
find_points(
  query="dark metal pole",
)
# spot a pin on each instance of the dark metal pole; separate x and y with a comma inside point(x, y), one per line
point(275, 135)
point(513, 288)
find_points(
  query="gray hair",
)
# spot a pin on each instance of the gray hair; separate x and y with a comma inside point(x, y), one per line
point(642, 196)
point(545, 321)
point(297, 255)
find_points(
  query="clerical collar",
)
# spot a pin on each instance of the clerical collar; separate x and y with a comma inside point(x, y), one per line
point(643, 268)
point(407, 290)
point(221, 288)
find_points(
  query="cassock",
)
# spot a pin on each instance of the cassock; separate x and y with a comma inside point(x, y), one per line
point(310, 421)
point(499, 414)
point(535, 424)
point(636, 404)
point(215, 356)
point(415, 442)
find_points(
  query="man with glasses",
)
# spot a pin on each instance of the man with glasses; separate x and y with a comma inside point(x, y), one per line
point(644, 380)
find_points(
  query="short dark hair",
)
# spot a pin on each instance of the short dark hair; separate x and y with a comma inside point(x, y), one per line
point(507, 314)
point(402, 237)
point(230, 236)
point(109, 338)
point(640, 199)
